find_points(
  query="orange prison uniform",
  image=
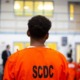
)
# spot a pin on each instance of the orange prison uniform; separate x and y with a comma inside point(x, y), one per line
point(71, 71)
point(78, 71)
point(36, 63)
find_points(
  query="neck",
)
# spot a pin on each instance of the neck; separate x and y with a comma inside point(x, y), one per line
point(7, 49)
point(37, 43)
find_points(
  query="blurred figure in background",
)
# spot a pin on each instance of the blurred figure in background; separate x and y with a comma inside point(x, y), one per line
point(5, 54)
point(71, 69)
point(69, 53)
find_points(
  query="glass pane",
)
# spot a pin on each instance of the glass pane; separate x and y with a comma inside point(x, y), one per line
point(48, 9)
point(38, 8)
point(18, 8)
point(28, 8)
point(71, 12)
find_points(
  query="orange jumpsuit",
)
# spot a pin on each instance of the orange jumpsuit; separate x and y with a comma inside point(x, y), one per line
point(78, 71)
point(36, 63)
point(71, 71)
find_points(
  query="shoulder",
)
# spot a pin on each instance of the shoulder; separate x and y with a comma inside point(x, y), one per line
point(4, 51)
point(63, 58)
point(59, 55)
point(15, 56)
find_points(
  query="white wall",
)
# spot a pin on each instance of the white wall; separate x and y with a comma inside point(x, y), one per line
point(12, 23)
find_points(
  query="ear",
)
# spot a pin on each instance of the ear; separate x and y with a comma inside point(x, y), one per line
point(28, 33)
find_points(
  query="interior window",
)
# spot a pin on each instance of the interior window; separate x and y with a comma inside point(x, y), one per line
point(18, 8)
point(33, 7)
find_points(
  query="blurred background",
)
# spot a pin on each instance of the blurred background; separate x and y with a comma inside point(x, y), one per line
point(64, 15)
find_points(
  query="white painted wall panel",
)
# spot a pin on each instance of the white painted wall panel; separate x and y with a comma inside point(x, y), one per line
point(8, 24)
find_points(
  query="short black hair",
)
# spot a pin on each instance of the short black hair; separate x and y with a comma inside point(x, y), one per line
point(39, 26)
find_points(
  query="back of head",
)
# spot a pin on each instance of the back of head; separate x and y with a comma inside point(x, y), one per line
point(7, 46)
point(38, 26)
